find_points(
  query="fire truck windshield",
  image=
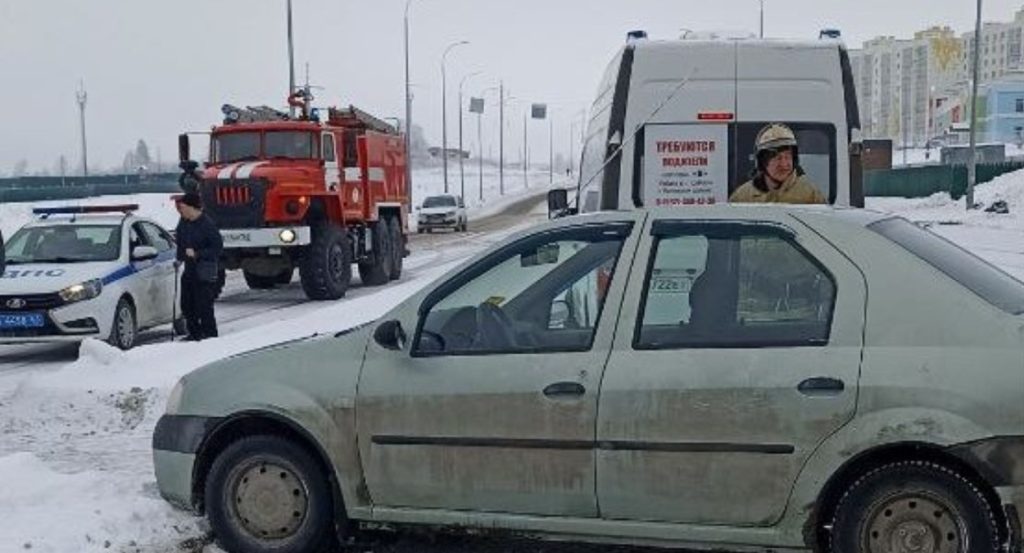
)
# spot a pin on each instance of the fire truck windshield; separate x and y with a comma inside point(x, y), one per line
point(289, 144)
point(236, 146)
point(242, 146)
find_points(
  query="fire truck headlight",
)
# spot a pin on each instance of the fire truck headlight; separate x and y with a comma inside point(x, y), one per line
point(287, 236)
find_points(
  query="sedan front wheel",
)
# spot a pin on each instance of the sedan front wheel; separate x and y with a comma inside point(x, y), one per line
point(266, 494)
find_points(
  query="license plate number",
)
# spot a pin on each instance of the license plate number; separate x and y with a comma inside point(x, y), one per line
point(21, 320)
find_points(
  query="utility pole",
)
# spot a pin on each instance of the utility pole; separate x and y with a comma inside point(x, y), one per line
point(551, 149)
point(408, 111)
point(480, 151)
point(501, 138)
point(526, 151)
point(762, 18)
point(82, 97)
point(291, 62)
point(444, 110)
point(972, 158)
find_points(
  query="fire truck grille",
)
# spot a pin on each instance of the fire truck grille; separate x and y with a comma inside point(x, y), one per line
point(236, 203)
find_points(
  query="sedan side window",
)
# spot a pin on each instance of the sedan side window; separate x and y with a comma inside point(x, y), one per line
point(541, 294)
point(734, 286)
point(160, 239)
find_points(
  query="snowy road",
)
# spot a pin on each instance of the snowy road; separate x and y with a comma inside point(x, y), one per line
point(240, 308)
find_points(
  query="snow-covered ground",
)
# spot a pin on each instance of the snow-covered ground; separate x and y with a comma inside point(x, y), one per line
point(75, 438)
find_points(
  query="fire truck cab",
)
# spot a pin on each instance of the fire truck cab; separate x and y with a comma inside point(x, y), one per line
point(317, 195)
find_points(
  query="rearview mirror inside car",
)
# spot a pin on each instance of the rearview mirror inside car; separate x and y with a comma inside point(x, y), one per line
point(543, 255)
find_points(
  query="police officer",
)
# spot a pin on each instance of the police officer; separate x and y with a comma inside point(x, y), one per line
point(778, 177)
point(199, 248)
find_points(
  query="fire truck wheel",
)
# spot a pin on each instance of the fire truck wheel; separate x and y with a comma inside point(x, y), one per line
point(377, 271)
point(327, 268)
point(259, 282)
point(397, 247)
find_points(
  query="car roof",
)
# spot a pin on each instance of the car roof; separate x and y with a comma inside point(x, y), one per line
point(854, 216)
point(85, 219)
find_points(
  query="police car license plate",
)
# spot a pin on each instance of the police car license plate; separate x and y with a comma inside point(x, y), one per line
point(21, 320)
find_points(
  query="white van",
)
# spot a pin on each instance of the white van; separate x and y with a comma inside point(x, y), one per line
point(674, 122)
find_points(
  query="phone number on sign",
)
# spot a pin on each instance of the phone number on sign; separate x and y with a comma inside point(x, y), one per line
point(685, 201)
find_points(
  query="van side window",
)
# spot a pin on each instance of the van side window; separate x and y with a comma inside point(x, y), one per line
point(732, 286)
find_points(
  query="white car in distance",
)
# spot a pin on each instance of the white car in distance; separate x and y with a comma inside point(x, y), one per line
point(442, 211)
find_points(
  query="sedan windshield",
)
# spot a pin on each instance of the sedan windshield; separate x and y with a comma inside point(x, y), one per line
point(236, 146)
point(439, 201)
point(64, 244)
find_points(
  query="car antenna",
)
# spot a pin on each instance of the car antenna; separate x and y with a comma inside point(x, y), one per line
point(632, 137)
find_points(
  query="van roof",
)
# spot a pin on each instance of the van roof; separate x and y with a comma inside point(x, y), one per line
point(686, 44)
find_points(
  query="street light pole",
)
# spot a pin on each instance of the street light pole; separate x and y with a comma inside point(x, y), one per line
point(408, 111)
point(444, 110)
point(480, 152)
point(291, 62)
point(972, 169)
point(762, 18)
point(526, 150)
point(551, 149)
point(462, 169)
point(82, 97)
point(501, 138)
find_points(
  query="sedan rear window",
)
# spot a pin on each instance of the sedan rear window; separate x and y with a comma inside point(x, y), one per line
point(977, 275)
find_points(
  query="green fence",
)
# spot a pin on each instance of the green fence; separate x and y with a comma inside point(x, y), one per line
point(35, 189)
point(921, 182)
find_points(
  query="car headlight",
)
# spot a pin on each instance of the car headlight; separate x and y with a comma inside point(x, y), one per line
point(450, 214)
point(287, 236)
point(174, 400)
point(81, 292)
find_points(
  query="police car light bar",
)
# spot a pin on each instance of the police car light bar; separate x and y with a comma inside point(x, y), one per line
point(81, 209)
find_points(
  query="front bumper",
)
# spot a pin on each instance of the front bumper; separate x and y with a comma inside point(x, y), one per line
point(176, 444)
point(265, 237)
point(67, 323)
point(438, 223)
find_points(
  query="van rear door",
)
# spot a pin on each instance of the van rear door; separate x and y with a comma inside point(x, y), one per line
point(682, 98)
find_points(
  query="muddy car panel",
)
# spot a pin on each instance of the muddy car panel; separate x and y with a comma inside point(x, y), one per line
point(727, 447)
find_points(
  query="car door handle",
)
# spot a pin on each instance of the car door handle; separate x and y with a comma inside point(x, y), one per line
point(565, 389)
point(821, 386)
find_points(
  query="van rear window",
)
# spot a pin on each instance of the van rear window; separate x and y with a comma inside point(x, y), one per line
point(704, 163)
point(977, 275)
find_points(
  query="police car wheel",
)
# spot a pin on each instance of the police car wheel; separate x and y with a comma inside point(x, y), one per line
point(268, 494)
point(397, 247)
point(124, 329)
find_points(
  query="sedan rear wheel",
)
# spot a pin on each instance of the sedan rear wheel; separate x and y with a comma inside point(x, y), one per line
point(914, 507)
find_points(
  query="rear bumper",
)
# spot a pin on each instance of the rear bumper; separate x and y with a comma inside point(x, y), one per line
point(176, 443)
point(1000, 461)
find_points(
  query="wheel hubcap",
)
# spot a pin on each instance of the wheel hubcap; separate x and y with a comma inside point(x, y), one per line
point(914, 524)
point(125, 331)
point(336, 262)
point(270, 501)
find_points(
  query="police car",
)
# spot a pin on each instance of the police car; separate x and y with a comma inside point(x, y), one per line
point(87, 271)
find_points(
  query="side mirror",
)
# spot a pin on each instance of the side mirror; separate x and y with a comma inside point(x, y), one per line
point(390, 335)
point(184, 150)
point(558, 203)
point(144, 253)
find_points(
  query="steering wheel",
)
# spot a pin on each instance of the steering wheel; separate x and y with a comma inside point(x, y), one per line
point(494, 329)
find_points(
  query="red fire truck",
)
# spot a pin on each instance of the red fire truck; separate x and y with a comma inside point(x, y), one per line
point(312, 192)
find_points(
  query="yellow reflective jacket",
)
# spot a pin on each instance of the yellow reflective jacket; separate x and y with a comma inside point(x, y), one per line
point(796, 190)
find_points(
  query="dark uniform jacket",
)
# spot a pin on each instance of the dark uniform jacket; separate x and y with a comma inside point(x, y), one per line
point(202, 236)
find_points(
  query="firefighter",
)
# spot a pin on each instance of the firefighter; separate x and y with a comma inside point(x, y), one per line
point(199, 249)
point(778, 177)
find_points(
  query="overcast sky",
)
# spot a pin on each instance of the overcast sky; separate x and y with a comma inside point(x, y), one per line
point(155, 68)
